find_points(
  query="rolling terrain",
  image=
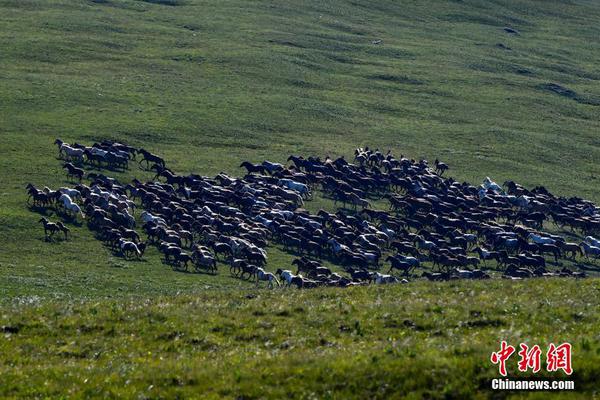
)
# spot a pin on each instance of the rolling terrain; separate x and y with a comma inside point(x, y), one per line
point(509, 90)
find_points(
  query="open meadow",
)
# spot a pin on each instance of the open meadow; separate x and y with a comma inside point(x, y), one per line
point(505, 89)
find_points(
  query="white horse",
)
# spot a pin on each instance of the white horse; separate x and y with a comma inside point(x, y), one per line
point(540, 239)
point(490, 184)
point(382, 279)
point(287, 276)
point(593, 241)
point(70, 206)
point(588, 250)
point(262, 275)
point(70, 152)
point(148, 217)
point(407, 259)
point(73, 193)
point(295, 186)
point(127, 247)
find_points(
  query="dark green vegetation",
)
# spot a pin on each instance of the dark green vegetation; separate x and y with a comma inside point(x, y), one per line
point(207, 84)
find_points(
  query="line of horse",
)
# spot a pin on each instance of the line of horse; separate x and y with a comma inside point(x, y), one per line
point(106, 154)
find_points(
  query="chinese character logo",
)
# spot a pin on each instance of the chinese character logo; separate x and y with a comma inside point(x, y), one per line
point(501, 356)
point(557, 358)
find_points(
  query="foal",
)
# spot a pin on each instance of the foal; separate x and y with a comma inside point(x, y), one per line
point(49, 227)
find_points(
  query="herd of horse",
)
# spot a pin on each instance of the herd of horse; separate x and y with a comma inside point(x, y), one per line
point(434, 227)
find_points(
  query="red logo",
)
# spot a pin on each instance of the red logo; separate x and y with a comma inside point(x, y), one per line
point(557, 357)
point(501, 356)
point(530, 358)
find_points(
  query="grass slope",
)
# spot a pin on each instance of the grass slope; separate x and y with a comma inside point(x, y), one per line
point(207, 84)
point(421, 340)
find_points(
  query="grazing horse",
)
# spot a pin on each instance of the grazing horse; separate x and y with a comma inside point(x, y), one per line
point(252, 168)
point(73, 171)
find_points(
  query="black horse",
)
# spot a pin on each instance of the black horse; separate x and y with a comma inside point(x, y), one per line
point(253, 168)
point(73, 171)
point(150, 158)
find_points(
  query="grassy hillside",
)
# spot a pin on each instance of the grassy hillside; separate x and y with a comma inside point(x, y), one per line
point(507, 89)
point(422, 340)
point(209, 84)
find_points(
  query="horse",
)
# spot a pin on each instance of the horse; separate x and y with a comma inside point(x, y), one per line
point(150, 158)
point(305, 265)
point(295, 186)
point(572, 248)
point(592, 240)
point(486, 254)
point(262, 275)
point(128, 247)
point(70, 152)
point(538, 239)
point(286, 275)
point(588, 250)
point(382, 279)
point(49, 227)
point(204, 260)
point(70, 207)
point(402, 266)
point(252, 168)
point(148, 217)
point(39, 197)
point(73, 193)
point(64, 229)
point(356, 201)
point(222, 248)
point(184, 258)
point(73, 171)
point(272, 167)
point(440, 167)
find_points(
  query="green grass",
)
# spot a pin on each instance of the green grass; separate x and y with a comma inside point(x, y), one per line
point(422, 340)
point(208, 84)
